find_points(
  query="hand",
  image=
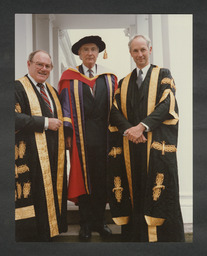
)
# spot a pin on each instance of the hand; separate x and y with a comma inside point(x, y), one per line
point(141, 139)
point(68, 143)
point(54, 124)
point(135, 134)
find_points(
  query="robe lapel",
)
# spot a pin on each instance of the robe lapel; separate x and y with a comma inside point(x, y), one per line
point(132, 90)
point(145, 85)
point(53, 102)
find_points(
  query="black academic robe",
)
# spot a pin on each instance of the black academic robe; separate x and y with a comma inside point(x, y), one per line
point(40, 171)
point(143, 182)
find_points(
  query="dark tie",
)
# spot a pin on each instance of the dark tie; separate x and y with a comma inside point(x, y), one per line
point(139, 79)
point(44, 96)
point(90, 76)
point(90, 73)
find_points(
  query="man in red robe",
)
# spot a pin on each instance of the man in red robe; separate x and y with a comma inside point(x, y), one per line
point(86, 94)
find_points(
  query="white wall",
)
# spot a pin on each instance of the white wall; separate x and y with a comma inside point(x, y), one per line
point(23, 43)
point(180, 38)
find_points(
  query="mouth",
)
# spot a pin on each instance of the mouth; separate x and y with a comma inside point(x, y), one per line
point(42, 73)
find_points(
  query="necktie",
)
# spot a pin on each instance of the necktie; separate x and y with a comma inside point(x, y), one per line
point(139, 78)
point(44, 96)
point(90, 73)
point(90, 76)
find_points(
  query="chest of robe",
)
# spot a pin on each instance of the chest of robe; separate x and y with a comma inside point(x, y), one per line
point(96, 113)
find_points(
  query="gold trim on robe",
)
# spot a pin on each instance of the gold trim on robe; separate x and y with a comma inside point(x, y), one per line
point(117, 91)
point(172, 107)
point(152, 227)
point(110, 91)
point(163, 147)
point(151, 105)
point(61, 149)
point(41, 143)
point(115, 151)
point(169, 81)
point(77, 102)
point(115, 104)
point(121, 220)
point(24, 212)
point(113, 128)
point(67, 119)
point(124, 89)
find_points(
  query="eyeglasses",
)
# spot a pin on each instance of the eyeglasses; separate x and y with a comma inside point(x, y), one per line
point(42, 65)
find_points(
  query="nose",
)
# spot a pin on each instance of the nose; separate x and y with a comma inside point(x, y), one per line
point(139, 53)
point(90, 52)
point(44, 67)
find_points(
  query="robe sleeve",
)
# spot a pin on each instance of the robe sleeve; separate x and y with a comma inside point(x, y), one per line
point(166, 107)
point(23, 120)
point(65, 101)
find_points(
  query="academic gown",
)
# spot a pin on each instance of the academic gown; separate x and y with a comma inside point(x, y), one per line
point(40, 168)
point(86, 121)
point(143, 185)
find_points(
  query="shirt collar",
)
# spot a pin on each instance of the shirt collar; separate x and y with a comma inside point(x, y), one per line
point(33, 81)
point(85, 69)
point(144, 70)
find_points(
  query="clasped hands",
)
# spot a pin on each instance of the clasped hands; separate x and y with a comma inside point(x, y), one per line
point(135, 134)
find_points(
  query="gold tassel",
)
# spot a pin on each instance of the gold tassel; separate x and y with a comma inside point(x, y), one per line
point(105, 56)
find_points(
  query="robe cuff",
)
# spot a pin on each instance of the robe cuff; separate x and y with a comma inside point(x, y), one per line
point(152, 221)
point(121, 220)
point(152, 227)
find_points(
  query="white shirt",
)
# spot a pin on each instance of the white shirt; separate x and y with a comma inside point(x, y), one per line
point(46, 91)
point(144, 70)
point(93, 69)
point(94, 72)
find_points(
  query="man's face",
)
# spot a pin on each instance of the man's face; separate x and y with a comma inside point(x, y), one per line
point(39, 68)
point(140, 52)
point(88, 53)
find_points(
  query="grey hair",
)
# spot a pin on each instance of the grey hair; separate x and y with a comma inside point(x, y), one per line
point(146, 38)
point(32, 54)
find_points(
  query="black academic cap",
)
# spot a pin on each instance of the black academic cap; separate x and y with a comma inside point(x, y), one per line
point(88, 40)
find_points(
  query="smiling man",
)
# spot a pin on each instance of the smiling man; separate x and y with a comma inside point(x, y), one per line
point(143, 177)
point(40, 173)
point(86, 94)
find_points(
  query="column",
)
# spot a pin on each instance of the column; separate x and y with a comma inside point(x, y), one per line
point(23, 43)
point(42, 36)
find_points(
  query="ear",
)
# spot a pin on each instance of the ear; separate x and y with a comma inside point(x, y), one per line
point(150, 50)
point(28, 63)
point(79, 53)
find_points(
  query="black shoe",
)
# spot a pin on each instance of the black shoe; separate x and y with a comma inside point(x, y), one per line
point(103, 230)
point(85, 233)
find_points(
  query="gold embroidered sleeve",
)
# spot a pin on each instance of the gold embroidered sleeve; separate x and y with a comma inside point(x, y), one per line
point(151, 221)
point(113, 128)
point(172, 112)
point(169, 81)
point(18, 108)
point(121, 220)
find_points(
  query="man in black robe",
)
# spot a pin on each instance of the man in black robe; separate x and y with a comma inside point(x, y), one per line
point(143, 179)
point(86, 94)
point(40, 169)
